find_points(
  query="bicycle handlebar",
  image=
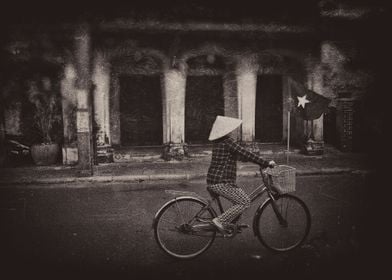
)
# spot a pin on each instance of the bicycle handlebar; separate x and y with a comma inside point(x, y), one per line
point(268, 166)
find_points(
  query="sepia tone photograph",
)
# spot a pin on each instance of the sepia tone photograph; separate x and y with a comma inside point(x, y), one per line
point(193, 139)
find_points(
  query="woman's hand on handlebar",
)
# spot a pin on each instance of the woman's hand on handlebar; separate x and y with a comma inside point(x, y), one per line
point(270, 164)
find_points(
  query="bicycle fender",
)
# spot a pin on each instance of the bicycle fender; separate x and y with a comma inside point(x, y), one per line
point(257, 214)
point(174, 199)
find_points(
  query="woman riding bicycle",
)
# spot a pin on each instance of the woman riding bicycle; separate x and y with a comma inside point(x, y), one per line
point(221, 176)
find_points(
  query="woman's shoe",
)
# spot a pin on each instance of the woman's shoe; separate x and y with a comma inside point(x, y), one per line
point(218, 225)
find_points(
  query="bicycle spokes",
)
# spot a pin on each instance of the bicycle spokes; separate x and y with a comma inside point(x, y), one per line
point(183, 229)
point(179, 213)
point(282, 224)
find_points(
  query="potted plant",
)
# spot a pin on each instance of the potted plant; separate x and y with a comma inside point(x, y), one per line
point(46, 120)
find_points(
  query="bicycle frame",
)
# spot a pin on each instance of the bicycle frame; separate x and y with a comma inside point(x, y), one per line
point(264, 187)
point(254, 195)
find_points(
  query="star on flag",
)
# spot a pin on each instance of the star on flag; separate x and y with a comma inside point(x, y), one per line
point(302, 101)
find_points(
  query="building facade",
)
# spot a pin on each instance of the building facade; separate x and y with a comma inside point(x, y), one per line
point(129, 82)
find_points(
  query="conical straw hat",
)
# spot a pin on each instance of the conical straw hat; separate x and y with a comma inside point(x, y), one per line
point(223, 126)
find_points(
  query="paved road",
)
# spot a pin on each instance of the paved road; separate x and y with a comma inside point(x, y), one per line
point(105, 230)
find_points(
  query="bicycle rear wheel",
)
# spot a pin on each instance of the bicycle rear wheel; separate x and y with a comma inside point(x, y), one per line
point(182, 227)
point(285, 227)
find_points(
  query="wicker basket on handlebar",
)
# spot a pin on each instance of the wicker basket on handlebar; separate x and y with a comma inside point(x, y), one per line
point(282, 178)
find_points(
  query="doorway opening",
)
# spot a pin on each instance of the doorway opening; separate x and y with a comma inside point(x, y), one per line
point(141, 110)
point(269, 109)
point(203, 102)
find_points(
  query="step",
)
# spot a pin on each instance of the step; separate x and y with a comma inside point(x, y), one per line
point(154, 153)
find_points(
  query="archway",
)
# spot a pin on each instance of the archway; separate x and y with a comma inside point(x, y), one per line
point(138, 93)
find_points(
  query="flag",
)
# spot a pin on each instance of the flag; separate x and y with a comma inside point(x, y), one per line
point(308, 104)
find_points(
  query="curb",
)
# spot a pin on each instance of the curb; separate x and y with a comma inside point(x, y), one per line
point(175, 176)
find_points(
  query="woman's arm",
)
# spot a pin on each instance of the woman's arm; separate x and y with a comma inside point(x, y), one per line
point(244, 154)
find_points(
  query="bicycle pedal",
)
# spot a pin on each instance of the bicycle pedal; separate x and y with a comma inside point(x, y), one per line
point(240, 226)
point(228, 235)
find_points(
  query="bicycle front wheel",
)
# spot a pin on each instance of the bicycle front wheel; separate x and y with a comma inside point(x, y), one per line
point(182, 227)
point(282, 224)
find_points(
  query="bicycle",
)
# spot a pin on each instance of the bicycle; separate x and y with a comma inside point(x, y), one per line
point(281, 223)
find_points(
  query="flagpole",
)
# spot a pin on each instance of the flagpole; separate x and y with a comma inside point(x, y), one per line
point(288, 137)
point(288, 131)
point(290, 104)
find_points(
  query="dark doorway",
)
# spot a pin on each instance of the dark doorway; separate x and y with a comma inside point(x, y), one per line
point(329, 123)
point(269, 107)
point(141, 110)
point(203, 102)
point(361, 131)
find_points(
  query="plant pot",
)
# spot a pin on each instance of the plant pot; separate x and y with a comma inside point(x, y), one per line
point(314, 148)
point(45, 154)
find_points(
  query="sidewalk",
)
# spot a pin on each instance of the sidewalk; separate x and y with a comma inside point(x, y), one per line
point(332, 162)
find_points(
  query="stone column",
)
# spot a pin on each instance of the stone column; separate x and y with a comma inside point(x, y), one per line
point(174, 113)
point(298, 127)
point(314, 128)
point(246, 88)
point(101, 123)
point(69, 106)
point(83, 95)
point(114, 104)
point(231, 98)
point(315, 83)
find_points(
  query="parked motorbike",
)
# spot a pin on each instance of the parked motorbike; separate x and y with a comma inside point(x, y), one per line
point(14, 153)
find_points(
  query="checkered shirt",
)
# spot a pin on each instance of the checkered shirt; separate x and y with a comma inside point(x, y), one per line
point(223, 167)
